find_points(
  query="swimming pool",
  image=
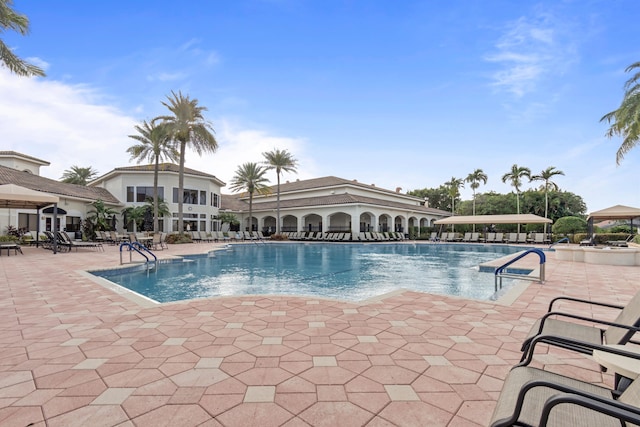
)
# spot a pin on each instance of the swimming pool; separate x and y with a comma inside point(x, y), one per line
point(344, 271)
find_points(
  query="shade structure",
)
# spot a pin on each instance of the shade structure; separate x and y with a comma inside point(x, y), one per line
point(15, 197)
point(615, 212)
point(494, 219)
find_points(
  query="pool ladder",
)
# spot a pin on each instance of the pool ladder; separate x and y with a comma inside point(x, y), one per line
point(141, 249)
point(501, 271)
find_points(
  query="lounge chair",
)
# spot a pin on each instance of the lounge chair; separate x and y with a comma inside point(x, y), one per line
point(562, 324)
point(65, 240)
point(491, 237)
point(499, 238)
point(538, 238)
point(467, 237)
point(591, 241)
point(621, 243)
point(522, 238)
point(511, 238)
point(534, 397)
point(346, 237)
point(475, 238)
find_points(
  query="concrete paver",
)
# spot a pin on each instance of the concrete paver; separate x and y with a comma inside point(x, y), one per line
point(75, 353)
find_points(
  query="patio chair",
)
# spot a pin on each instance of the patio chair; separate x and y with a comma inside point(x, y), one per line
point(621, 243)
point(65, 240)
point(620, 331)
point(591, 241)
point(535, 397)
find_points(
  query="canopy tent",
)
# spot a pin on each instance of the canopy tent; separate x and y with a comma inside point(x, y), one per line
point(494, 219)
point(15, 197)
point(614, 212)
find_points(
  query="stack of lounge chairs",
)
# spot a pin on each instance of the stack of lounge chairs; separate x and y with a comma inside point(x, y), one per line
point(533, 396)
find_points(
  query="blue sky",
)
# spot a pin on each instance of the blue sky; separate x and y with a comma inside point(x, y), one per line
point(397, 94)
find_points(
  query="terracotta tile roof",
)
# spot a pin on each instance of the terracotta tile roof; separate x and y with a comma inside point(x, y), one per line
point(234, 203)
point(39, 183)
point(163, 167)
point(326, 181)
point(24, 156)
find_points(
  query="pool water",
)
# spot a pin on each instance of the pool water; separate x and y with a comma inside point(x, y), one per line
point(344, 271)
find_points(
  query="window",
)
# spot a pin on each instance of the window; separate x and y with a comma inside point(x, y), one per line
point(140, 194)
point(215, 200)
point(27, 221)
point(203, 197)
point(189, 197)
point(73, 223)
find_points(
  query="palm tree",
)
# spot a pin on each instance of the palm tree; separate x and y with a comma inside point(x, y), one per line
point(474, 179)
point(249, 177)
point(188, 127)
point(10, 19)
point(625, 121)
point(155, 145)
point(453, 188)
point(133, 215)
point(546, 176)
point(78, 175)
point(515, 177)
point(280, 160)
point(100, 216)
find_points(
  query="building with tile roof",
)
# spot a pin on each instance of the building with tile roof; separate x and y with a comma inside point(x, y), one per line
point(328, 204)
point(332, 204)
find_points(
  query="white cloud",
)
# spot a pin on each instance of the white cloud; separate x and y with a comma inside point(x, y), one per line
point(61, 123)
point(237, 146)
point(528, 51)
point(67, 125)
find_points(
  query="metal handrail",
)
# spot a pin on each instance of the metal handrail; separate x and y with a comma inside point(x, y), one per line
point(137, 246)
point(499, 273)
point(564, 239)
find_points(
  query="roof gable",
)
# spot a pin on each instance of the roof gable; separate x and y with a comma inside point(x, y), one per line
point(51, 186)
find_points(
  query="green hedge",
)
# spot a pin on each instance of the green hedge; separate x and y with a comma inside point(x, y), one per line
point(602, 238)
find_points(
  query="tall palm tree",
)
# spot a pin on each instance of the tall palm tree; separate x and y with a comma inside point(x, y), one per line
point(546, 176)
point(474, 179)
point(155, 144)
point(515, 178)
point(625, 121)
point(189, 128)
point(281, 161)
point(453, 188)
point(12, 20)
point(250, 177)
point(78, 175)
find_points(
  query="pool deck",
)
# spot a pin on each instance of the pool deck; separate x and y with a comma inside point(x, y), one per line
point(74, 353)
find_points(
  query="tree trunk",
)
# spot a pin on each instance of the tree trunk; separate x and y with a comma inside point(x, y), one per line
point(250, 211)
point(278, 206)
point(155, 195)
point(183, 146)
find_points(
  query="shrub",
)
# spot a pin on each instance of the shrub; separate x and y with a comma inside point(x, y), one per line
point(179, 239)
point(279, 237)
point(569, 225)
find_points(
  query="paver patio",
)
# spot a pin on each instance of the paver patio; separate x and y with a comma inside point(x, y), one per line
point(73, 353)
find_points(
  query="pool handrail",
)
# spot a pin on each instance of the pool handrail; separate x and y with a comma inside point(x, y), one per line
point(500, 271)
point(564, 239)
point(137, 247)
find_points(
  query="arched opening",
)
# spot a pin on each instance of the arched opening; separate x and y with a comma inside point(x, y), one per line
point(339, 222)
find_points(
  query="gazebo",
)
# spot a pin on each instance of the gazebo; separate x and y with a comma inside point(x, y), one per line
point(614, 212)
point(494, 219)
point(15, 197)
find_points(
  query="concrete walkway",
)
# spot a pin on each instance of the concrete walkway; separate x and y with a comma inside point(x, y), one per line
point(73, 353)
